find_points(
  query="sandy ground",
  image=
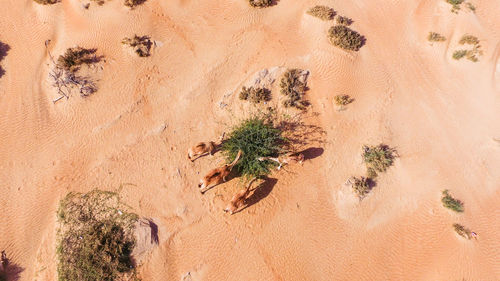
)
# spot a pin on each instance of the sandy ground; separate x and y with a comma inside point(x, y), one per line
point(132, 135)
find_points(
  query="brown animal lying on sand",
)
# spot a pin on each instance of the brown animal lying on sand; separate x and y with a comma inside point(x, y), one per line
point(203, 148)
point(217, 175)
point(239, 199)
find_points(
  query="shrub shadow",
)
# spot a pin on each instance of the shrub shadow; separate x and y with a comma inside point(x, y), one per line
point(11, 272)
point(4, 49)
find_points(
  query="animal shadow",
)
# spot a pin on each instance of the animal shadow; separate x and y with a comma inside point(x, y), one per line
point(312, 152)
point(4, 49)
point(259, 193)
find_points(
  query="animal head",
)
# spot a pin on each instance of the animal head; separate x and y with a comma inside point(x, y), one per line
point(230, 208)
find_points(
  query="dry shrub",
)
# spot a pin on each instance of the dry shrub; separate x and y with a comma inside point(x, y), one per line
point(342, 100)
point(378, 158)
point(47, 2)
point(435, 37)
point(322, 12)
point(74, 58)
point(255, 95)
point(260, 3)
point(345, 38)
point(343, 20)
point(140, 44)
point(361, 186)
point(133, 3)
point(294, 88)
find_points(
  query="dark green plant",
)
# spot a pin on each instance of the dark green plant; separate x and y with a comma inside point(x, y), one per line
point(462, 231)
point(255, 137)
point(345, 38)
point(342, 100)
point(322, 12)
point(361, 186)
point(47, 2)
point(95, 238)
point(294, 88)
point(133, 3)
point(451, 203)
point(435, 37)
point(255, 95)
point(74, 58)
point(378, 158)
point(140, 44)
point(260, 3)
point(343, 20)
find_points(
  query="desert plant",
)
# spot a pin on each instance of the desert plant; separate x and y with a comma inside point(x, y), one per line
point(342, 100)
point(455, 5)
point(451, 203)
point(73, 58)
point(256, 137)
point(462, 231)
point(255, 95)
point(294, 87)
point(133, 3)
point(343, 20)
point(361, 186)
point(260, 3)
point(468, 39)
point(47, 2)
point(95, 238)
point(471, 7)
point(345, 38)
point(378, 158)
point(458, 54)
point(322, 12)
point(140, 44)
point(435, 37)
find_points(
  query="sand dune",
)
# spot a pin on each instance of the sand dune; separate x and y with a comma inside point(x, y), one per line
point(132, 135)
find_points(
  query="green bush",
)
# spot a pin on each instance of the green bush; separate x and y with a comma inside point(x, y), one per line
point(95, 238)
point(343, 20)
point(73, 58)
point(294, 88)
point(322, 12)
point(378, 158)
point(435, 37)
point(462, 231)
point(345, 38)
point(468, 39)
point(342, 100)
point(133, 3)
point(256, 137)
point(140, 44)
point(361, 186)
point(255, 95)
point(260, 3)
point(451, 203)
point(47, 2)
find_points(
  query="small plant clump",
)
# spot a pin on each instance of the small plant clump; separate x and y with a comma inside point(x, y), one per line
point(378, 158)
point(95, 238)
point(47, 2)
point(322, 12)
point(342, 100)
point(471, 54)
point(451, 203)
point(345, 38)
point(361, 186)
point(435, 37)
point(458, 54)
point(471, 7)
point(255, 95)
point(255, 137)
point(260, 3)
point(293, 85)
point(343, 20)
point(140, 44)
point(462, 231)
point(455, 5)
point(133, 3)
point(74, 58)
point(468, 39)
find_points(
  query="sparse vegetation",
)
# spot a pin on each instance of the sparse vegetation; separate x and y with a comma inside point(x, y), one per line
point(260, 3)
point(342, 100)
point(455, 5)
point(451, 203)
point(343, 20)
point(378, 158)
point(74, 58)
point(95, 237)
point(345, 38)
point(133, 3)
point(468, 39)
point(462, 231)
point(361, 186)
point(255, 95)
point(471, 7)
point(294, 86)
point(322, 12)
point(47, 2)
point(471, 54)
point(435, 37)
point(256, 137)
point(458, 54)
point(140, 44)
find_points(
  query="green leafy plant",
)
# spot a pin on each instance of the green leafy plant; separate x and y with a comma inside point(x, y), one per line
point(260, 3)
point(345, 38)
point(255, 95)
point(294, 88)
point(451, 203)
point(462, 231)
point(343, 20)
point(255, 137)
point(435, 37)
point(95, 238)
point(47, 2)
point(361, 186)
point(378, 158)
point(74, 58)
point(140, 44)
point(342, 100)
point(133, 3)
point(322, 12)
